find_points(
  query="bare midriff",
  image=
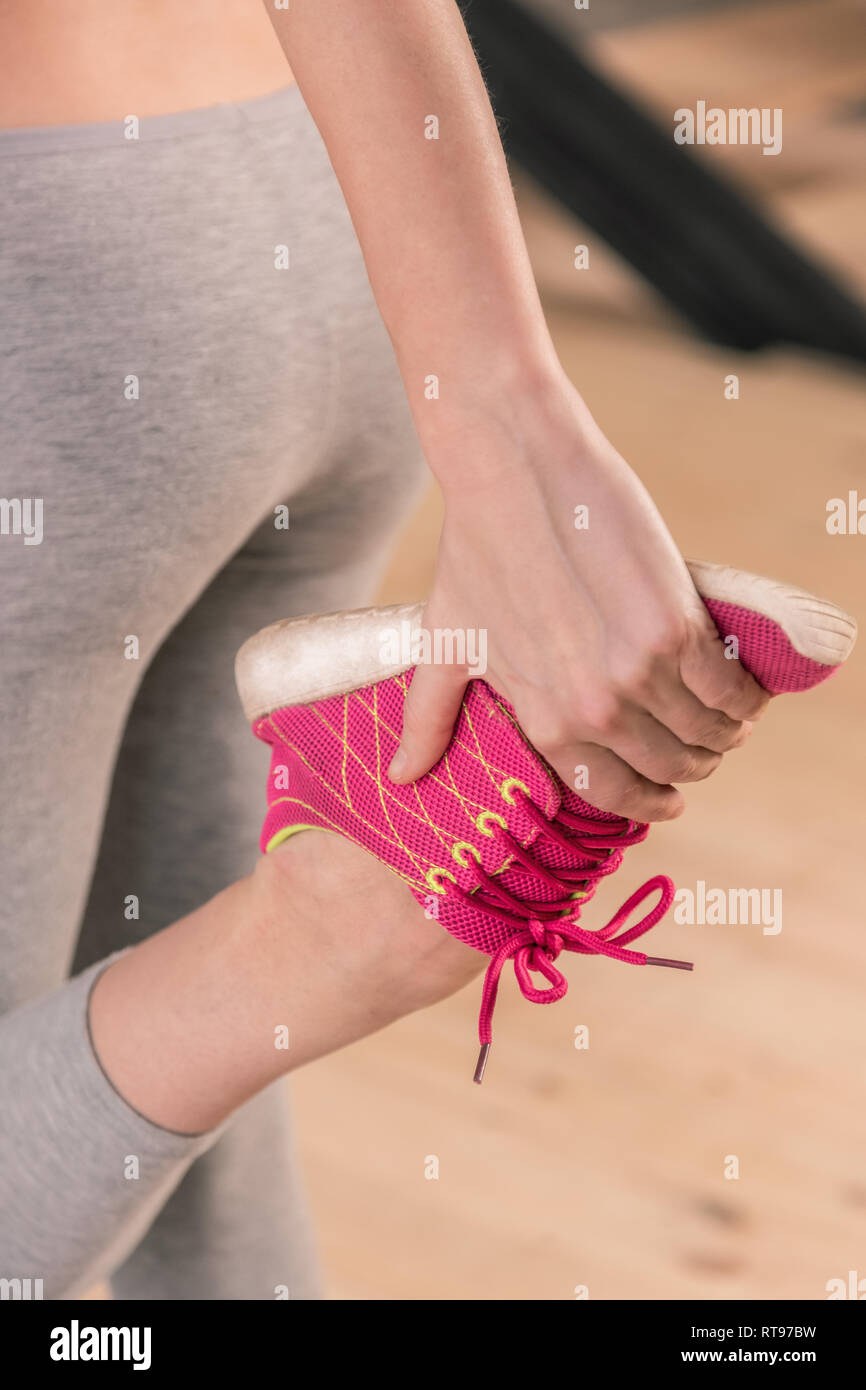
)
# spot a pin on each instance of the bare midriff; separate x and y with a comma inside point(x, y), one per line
point(71, 62)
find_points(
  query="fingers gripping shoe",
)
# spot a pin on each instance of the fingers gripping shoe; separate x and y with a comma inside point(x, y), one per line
point(490, 841)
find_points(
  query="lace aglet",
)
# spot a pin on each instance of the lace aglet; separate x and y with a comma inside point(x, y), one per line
point(481, 1064)
point(673, 964)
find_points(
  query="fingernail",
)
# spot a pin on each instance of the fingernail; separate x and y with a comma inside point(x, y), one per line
point(398, 765)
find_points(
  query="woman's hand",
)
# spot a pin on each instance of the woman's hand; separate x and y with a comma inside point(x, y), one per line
point(595, 632)
point(596, 636)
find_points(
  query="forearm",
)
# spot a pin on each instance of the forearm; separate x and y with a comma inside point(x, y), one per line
point(436, 218)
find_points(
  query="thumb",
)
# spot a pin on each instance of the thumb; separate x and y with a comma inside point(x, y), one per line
point(429, 716)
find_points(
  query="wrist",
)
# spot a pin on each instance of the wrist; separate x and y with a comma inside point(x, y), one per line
point(524, 421)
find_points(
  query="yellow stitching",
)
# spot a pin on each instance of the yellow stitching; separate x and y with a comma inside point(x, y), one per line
point(455, 742)
point(440, 834)
point(405, 848)
point(465, 803)
point(346, 748)
point(432, 775)
point(320, 778)
point(552, 792)
point(425, 819)
point(333, 791)
point(488, 767)
point(369, 825)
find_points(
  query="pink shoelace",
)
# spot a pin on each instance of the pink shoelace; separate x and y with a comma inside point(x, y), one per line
point(536, 944)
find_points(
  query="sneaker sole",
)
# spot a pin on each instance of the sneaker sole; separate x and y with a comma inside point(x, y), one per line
point(293, 662)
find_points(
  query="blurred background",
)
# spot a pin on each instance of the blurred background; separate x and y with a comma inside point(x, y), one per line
point(605, 1167)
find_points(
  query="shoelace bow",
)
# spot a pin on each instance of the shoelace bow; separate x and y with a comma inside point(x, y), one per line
point(535, 945)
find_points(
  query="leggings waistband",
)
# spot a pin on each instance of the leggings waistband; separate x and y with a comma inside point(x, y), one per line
point(34, 140)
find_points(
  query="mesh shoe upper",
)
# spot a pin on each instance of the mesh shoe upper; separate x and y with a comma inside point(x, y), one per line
point(766, 651)
point(490, 841)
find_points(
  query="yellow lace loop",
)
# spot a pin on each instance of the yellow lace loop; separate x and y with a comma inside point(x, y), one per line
point(509, 785)
point(433, 876)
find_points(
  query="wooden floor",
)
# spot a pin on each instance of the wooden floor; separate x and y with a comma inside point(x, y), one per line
point(606, 1168)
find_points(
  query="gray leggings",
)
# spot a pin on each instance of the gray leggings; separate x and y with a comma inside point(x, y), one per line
point(166, 384)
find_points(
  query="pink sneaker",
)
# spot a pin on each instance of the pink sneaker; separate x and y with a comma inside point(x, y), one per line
point(490, 841)
point(787, 639)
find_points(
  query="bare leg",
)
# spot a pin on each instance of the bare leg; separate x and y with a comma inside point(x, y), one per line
point(320, 940)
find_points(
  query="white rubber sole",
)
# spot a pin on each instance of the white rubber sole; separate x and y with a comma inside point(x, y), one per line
point(301, 660)
point(815, 627)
